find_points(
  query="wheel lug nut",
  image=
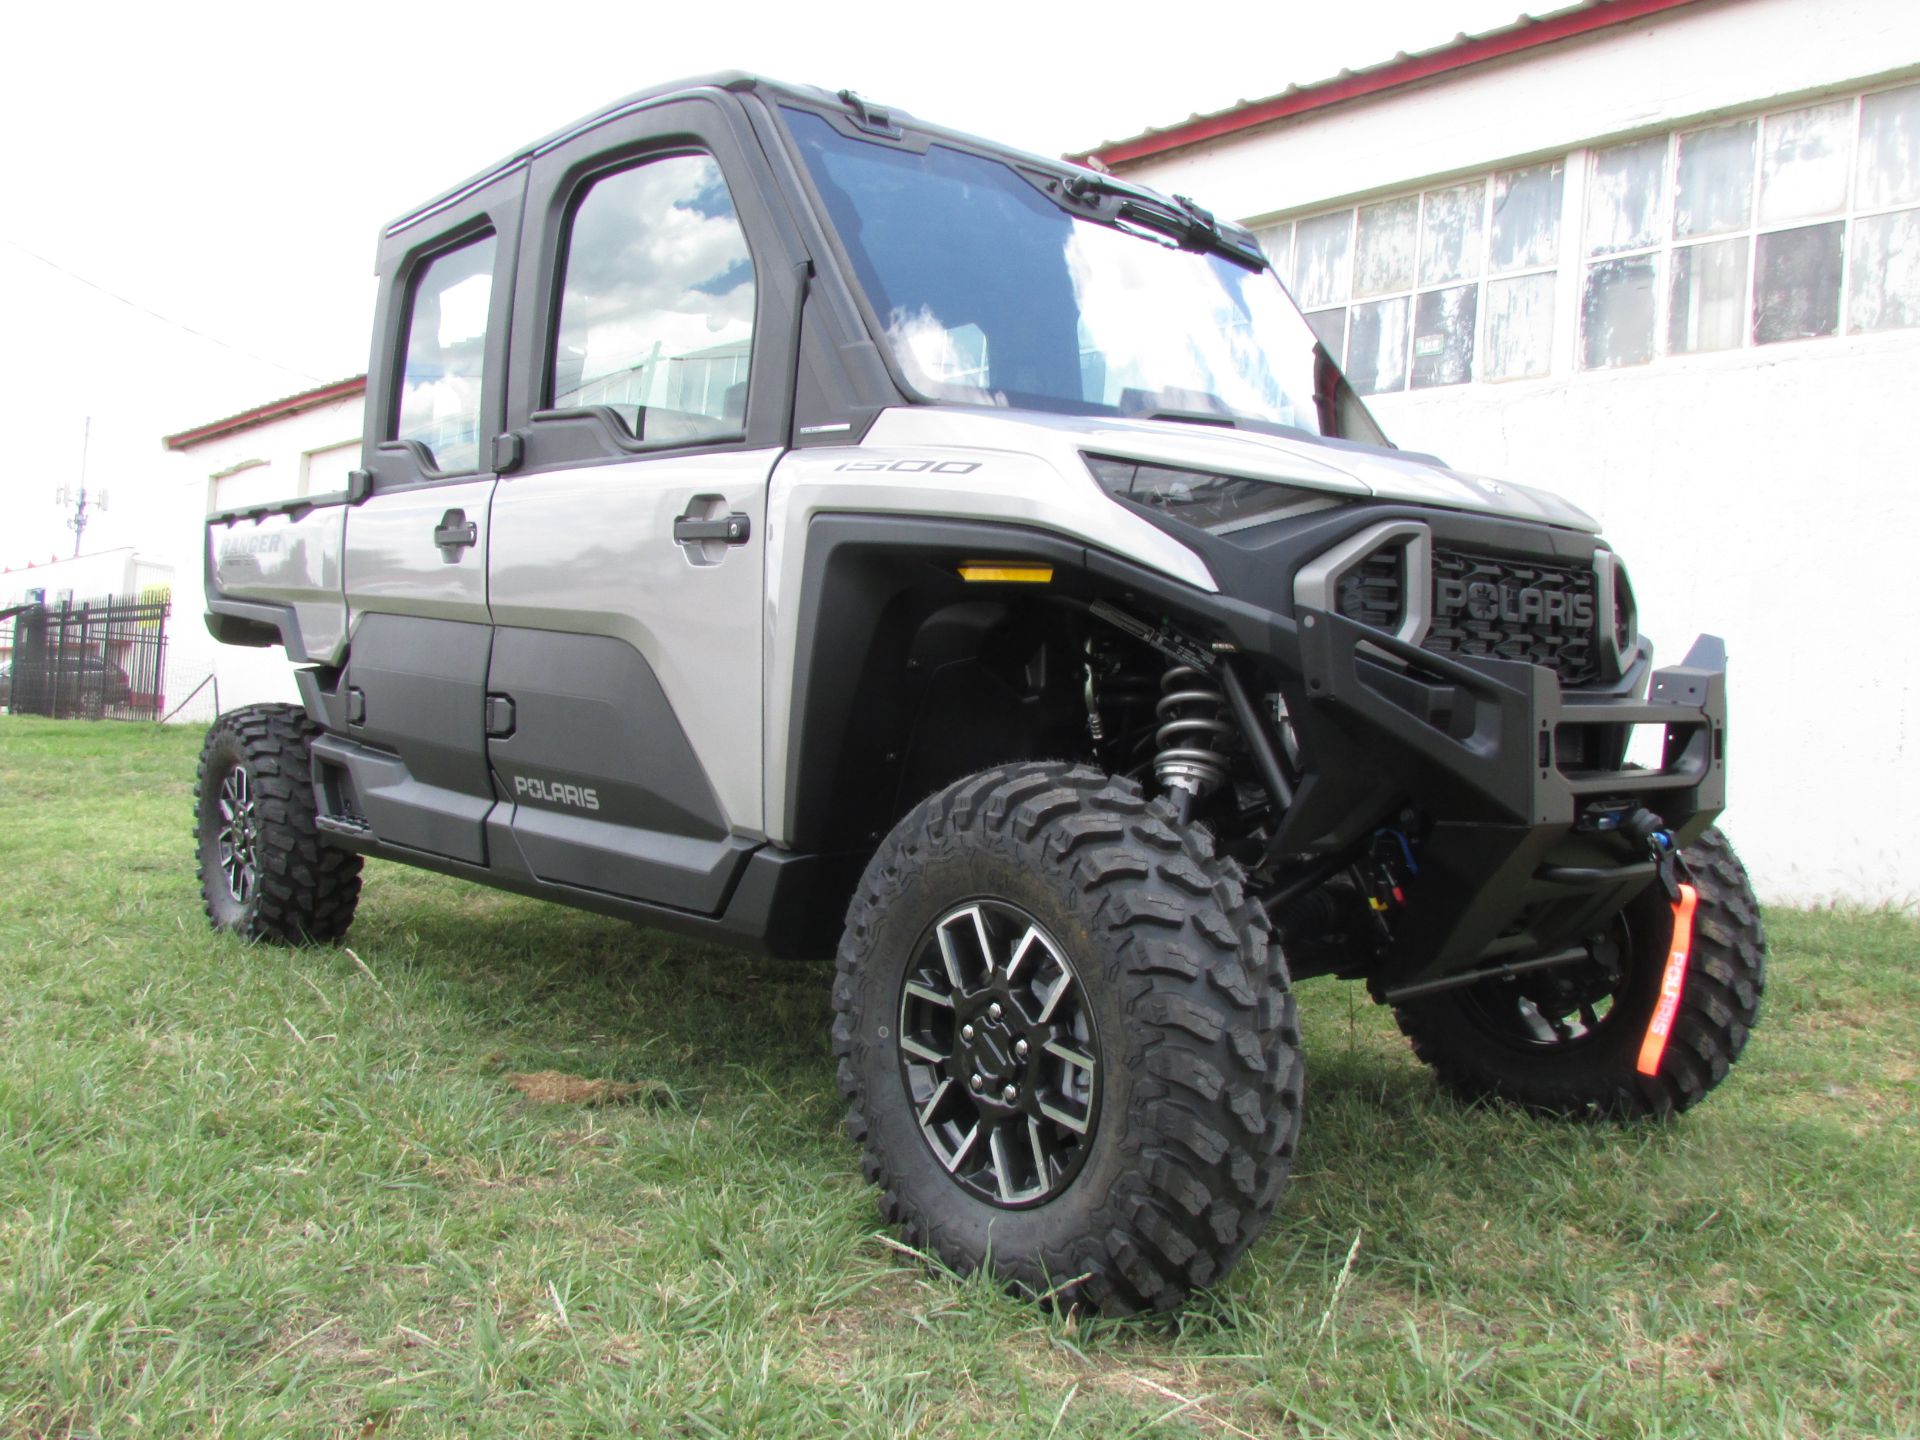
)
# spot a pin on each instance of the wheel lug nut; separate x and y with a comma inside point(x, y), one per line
point(1010, 1094)
point(966, 1032)
point(1020, 1049)
point(993, 1011)
point(979, 1082)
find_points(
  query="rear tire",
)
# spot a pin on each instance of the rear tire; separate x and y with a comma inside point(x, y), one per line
point(1047, 910)
point(265, 871)
point(1581, 1059)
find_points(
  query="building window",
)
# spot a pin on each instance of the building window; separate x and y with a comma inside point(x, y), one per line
point(1785, 226)
point(1439, 288)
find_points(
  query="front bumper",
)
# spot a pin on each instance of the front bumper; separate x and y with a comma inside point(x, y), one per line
point(1514, 775)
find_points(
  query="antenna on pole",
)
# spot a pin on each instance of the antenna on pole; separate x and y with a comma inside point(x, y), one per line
point(65, 495)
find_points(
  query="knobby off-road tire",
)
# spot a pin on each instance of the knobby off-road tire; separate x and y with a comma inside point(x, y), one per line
point(1471, 1039)
point(1190, 1082)
point(265, 871)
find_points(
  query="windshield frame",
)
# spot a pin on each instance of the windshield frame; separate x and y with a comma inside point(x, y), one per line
point(1342, 416)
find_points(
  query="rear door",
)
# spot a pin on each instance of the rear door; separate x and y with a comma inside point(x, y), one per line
point(627, 570)
point(416, 547)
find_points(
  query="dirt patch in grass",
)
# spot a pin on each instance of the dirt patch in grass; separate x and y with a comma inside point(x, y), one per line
point(556, 1087)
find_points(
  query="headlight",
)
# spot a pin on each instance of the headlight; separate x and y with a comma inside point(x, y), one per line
point(1219, 503)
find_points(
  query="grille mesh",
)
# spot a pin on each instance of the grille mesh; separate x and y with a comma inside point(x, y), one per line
point(1568, 651)
point(1370, 594)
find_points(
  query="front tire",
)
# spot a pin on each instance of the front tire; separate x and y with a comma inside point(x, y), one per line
point(1566, 1042)
point(265, 871)
point(1067, 1039)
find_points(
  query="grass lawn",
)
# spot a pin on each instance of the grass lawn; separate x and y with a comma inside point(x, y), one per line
point(245, 1191)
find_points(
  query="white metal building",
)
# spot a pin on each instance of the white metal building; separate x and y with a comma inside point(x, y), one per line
point(301, 445)
point(1662, 256)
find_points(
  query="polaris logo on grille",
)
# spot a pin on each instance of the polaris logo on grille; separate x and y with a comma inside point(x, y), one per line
point(1514, 604)
point(556, 793)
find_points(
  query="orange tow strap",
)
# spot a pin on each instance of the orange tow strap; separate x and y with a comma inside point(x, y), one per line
point(1654, 1046)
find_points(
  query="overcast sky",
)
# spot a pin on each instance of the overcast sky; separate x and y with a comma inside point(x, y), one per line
point(227, 167)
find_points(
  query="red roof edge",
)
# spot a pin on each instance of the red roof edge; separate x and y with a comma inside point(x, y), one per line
point(272, 410)
point(1459, 54)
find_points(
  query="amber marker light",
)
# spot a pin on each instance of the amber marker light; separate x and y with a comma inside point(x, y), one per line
point(1007, 573)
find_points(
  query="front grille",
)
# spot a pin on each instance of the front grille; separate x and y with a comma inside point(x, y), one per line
point(1492, 606)
point(1502, 608)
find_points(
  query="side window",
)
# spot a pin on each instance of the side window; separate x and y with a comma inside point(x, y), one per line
point(656, 310)
point(442, 380)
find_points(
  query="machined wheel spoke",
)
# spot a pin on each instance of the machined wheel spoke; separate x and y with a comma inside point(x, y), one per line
point(1072, 1057)
point(1043, 1172)
point(933, 1101)
point(997, 1146)
point(1051, 1001)
point(952, 1161)
point(921, 1051)
point(917, 991)
point(1020, 952)
point(1075, 1123)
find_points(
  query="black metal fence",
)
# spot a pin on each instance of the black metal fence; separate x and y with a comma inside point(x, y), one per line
point(102, 659)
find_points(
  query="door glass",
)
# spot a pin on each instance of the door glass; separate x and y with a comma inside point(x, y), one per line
point(442, 381)
point(656, 316)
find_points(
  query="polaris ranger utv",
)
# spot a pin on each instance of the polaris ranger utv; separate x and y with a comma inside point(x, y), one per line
point(791, 524)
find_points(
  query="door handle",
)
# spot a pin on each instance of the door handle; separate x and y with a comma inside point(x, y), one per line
point(455, 531)
point(734, 529)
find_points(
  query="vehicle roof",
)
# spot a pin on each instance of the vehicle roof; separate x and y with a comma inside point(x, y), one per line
point(736, 80)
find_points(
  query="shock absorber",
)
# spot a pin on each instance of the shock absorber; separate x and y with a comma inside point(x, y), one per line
point(1190, 763)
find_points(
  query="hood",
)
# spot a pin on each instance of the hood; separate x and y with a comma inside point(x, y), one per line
point(1336, 467)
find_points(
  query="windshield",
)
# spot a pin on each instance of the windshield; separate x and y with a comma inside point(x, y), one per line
point(990, 293)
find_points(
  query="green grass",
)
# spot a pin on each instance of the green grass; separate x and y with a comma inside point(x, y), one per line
point(251, 1192)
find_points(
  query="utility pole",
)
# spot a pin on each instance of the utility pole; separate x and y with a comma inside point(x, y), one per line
point(77, 522)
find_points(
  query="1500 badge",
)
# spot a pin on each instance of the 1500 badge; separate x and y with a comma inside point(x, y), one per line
point(555, 793)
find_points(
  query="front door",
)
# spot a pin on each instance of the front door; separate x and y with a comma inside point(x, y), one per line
point(627, 567)
point(416, 547)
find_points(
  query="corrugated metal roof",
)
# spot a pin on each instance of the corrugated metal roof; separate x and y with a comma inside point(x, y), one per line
point(1525, 33)
point(272, 410)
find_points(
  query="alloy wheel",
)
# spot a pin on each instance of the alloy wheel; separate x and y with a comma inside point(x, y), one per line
point(999, 1055)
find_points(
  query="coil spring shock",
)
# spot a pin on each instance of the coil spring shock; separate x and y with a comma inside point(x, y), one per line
point(1190, 762)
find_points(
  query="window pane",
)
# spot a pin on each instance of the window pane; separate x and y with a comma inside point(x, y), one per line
point(1616, 313)
point(1330, 326)
point(1383, 246)
point(657, 316)
point(1713, 189)
point(1526, 217)
point(1377, 359)
point(1519, 328)
point(1796, 283)
point(1803, 162)
point(442, 381)
point(1890, 148)
point(1709, 297)
point(1886, 272)
point(1443, 329)
point(1450, 235)
point(1322, 260)
point(1278, 243)
point(1623, 196)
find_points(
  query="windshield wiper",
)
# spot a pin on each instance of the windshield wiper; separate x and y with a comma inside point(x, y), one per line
point(1175, 216)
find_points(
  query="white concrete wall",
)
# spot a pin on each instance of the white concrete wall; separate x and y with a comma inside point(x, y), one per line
point(305, 454)
point(1770, 495)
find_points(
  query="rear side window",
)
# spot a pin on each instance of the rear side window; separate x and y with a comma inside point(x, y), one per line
point(656, 309)
point(444, 373)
